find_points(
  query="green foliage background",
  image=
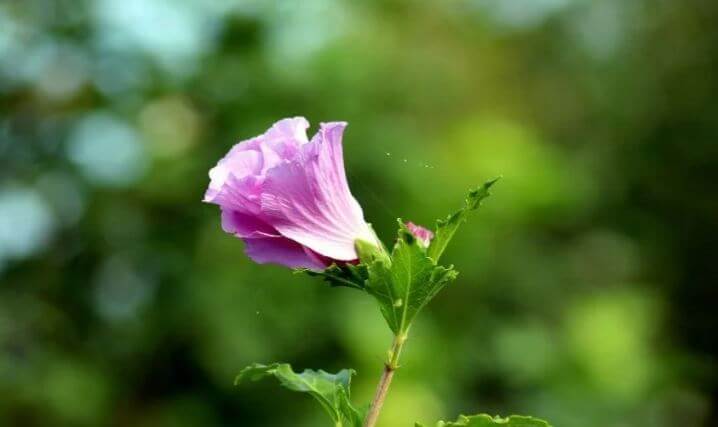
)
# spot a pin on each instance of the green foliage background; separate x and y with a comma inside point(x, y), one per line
point(588, 280)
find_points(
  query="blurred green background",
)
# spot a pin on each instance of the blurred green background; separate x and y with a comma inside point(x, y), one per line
point(588, 282)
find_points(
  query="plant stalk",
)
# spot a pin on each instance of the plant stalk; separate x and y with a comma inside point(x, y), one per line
point(385, 381)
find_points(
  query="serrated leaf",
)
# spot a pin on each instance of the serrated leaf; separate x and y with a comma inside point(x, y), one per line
point(332, 391)
point(406, 283)
point(445, 229)
point(484, 420)
point(347, 275)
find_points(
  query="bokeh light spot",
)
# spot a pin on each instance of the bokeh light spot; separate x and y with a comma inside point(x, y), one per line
point(170, 124)
point(107, 151)
point(26, 223)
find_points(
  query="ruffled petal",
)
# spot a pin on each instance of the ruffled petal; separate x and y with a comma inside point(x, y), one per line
point(288, 132)
point(255, 156)
point(308, 200)
point(282, 141)
point(238, 163)
point(240, 194)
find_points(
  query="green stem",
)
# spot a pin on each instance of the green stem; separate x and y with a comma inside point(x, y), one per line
point(385, 381)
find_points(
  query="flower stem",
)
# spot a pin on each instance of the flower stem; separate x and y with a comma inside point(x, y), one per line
point(387, 375)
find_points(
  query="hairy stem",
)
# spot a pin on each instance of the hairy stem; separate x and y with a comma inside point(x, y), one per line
point(385, 381)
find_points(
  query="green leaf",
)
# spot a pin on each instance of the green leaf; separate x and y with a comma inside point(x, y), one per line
point(446, 228)
point(484, 420)
point(404, 284)
point(330, 390)
point(347, 275)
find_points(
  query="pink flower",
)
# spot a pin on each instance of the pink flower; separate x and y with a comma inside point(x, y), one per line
point(423, 235)
point(287, 197)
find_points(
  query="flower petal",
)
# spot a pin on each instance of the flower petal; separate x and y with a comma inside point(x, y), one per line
point(280, 250)
point(244, 225)
point(282, 141)
point(240, 194)
point(422, 234)
point(255, 156)
point(238, 163)
point(308, 200)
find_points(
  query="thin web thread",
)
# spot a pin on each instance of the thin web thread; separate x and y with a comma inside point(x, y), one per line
point(374, 195)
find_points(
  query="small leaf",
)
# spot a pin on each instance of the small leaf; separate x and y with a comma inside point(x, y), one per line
point(404, 285)
point(332, 391)
point(347, 275)
point(446, 228)
point(484, 420)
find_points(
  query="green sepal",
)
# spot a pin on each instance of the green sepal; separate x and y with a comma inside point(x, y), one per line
point(350, 275)
point(483, 420)
point(446, 228)
point(407, 282)
point(369, 252)
point(332, 391)
point(346, 275)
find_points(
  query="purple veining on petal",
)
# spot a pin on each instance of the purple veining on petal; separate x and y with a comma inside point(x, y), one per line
point(288, 198)
point(309, 201)
point(422, 234)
